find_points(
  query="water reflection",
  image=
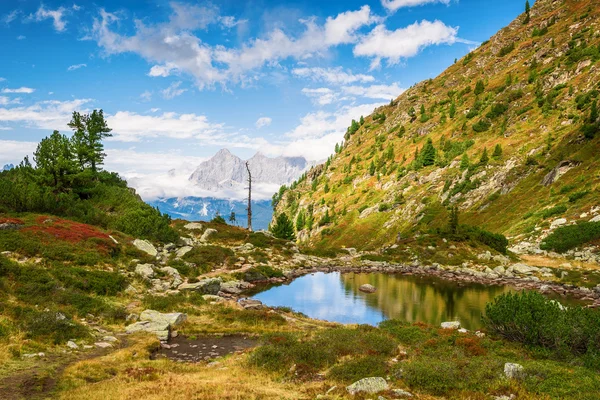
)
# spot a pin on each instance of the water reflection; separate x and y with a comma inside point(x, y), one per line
point(335, 297)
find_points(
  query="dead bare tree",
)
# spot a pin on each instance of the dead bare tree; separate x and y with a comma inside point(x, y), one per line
point(249, 197)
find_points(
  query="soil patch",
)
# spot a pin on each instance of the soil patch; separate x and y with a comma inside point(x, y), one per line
point(206, 348)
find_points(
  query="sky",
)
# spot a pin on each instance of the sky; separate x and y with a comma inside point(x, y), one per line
point(179, 80)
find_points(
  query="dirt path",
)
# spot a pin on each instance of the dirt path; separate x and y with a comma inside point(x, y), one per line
point(39, 382)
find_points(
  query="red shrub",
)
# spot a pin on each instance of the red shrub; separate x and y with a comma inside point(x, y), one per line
point(69, 231)
point(8, 220)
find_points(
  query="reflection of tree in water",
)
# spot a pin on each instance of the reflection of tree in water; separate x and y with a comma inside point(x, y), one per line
point(425, 299)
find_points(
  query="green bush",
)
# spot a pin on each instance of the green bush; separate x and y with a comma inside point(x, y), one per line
point(506, 50)
point(384, 207)
point(569, 237)
point(578, 195)
point(532, 319)
point(353, 370)
point(51, 325)
point(435, 375)
point(550, 212)
point(482, 126)
point(208, 257)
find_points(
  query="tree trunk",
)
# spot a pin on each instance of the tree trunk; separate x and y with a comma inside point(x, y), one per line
point(249, 197)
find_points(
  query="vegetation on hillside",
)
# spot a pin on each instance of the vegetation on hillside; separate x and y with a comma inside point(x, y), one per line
point(67, 180)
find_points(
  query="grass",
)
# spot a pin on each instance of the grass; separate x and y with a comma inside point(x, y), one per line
point(208, 257)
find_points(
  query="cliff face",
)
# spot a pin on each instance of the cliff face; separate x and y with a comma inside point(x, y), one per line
point(508, 134)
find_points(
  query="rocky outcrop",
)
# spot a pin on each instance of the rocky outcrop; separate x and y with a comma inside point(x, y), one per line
point(368, 385)
point(146, 247)
point(562, 168)
point(204, 286)
point(157, 323)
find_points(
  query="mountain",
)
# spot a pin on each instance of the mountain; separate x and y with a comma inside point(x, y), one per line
point(225, 171)
point(8, 167)
point(509, 135)
point(207, 208)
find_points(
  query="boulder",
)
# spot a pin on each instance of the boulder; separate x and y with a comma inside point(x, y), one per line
point(366, 288)
point(595, 219)
point(172, 319)
point(207, 234)
point(160, 329)
point(401, 393)
point(212, 297)
point(251, 304)
point(350, 250)
point(523, 269)
point(514, 371)
point(146, 271)
point(72, 345)
point(204, 286)
point(451, 325)
point(146, 247)
point(174, 274)
point(368, 385)
point(183, 251)
point(232, 287)
point(558, 222)
point(193, 226)
point(103, 345)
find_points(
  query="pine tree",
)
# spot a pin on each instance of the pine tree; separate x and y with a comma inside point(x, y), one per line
point(90, 131)
point(484, 157)
point(464, 162)
point(283, 228)
point(527, 13)
point(428, 153)
point(300, 221)
point(452, 110)
point(362, 120)
point(453, 220)
point(497, 152)
point(527, 7)
point(479, 88)
point(54, 158)
point(232, 217)
point(372, 168)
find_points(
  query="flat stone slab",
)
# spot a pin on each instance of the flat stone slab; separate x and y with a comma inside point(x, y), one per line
point(146, 247)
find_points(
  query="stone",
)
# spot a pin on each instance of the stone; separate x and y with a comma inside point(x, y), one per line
point(183, 251)
point(523, 269)
point(212, 297)
point(246, 247)
point(72, 345)
point(350, 250)
point(451, 325)
point(193, 226)
point(595, 219)
point(33, 355)
point(172, 319)
point(514, 371)
point(207, 234)
point(146, 271)
point(204, 286)
point(232, 287)
point(368, 385)
point(558, 222)
point(251, 304)
point(401, 393)
point(132, 318)
point(103, 345)
point(110, 339)
point(366, 288)
point(463, 330)
point(146, 247)
point(480, 334)
point(160, 329)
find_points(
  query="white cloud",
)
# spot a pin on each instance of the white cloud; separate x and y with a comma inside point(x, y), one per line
point(76, 66)
point(56, 15)
point(51, 114)
point(174, 49)
point(173, 91)
point(146, 96)
point(336, 76)
point(321, 96)
point(384, 92)
point(2, 79)
point(21, 37)
point(11, 16)
point(393, 5)
point(19, 90)
point(154, 110)
point(263, 121)
point(13, 151)
point(230, 22)
point(5, 100)
point(406, 42)
point(131, 127)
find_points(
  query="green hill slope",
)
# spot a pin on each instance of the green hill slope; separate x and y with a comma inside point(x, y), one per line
point(509, 135)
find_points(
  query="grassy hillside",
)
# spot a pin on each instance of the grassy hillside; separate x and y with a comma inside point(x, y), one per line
point(509, 135)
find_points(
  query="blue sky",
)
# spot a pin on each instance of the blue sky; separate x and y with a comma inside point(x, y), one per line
point(179, 80)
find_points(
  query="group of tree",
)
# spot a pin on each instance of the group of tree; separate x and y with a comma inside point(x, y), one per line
point(67, 179)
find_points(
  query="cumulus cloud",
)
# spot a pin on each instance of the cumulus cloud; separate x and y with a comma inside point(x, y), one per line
point(50, 114)
point(336, 76)
point(384, 92)
point(321, 96)
point(146, 96)
point(13, 151)
point(173, 91)
point(406, 42)
point(25, 90)
point(263, 121)
point(76, 66)
point(174, 49)
point(393, 5)
point(56, 15)
point(5, 100)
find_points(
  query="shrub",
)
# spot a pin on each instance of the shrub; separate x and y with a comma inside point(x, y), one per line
point(283, 227)
point(506, 50)
point(482, 126)
point(532, 319)
point(432, 374)
point(566, 238)
point(578, 195)
point(496, 241)
point(550, 212)
point(51, 325)
point(497, 110)
point(384, 207)
point(207, 257)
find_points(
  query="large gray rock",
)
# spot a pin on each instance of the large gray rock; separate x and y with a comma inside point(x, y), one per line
point(558, 222)
point(172, 319)
point(232, 287)
point(193, 226)
point(368, 385)
point(183, 251)
point(146, 247)
point(174, 274)
point(207, 234)
point(514, 371)
point(146, 271)
point(204, 286)
point(401, 393)
point(523, 269)
point(367, 288)
point(251, 304)
point(451, 325)
point(160, 329)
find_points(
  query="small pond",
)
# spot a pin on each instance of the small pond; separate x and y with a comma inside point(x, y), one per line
point(335, 297)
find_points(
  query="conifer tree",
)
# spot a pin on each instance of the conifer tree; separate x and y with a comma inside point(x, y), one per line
point(428, 153)
point(484, 157)
point(90, 131)
point(372, 168)
point(497, 152)
point(283, 228)
point(362, 120)
point(479, 88)
point(452, 111)
point(54, 158)
point(300, 221)
point(464, 162)
point(453, 220)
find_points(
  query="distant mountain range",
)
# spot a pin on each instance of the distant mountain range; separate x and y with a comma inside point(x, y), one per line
point(8, 167)
point(206, 208)
point(225, 171)
point(225, 175)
